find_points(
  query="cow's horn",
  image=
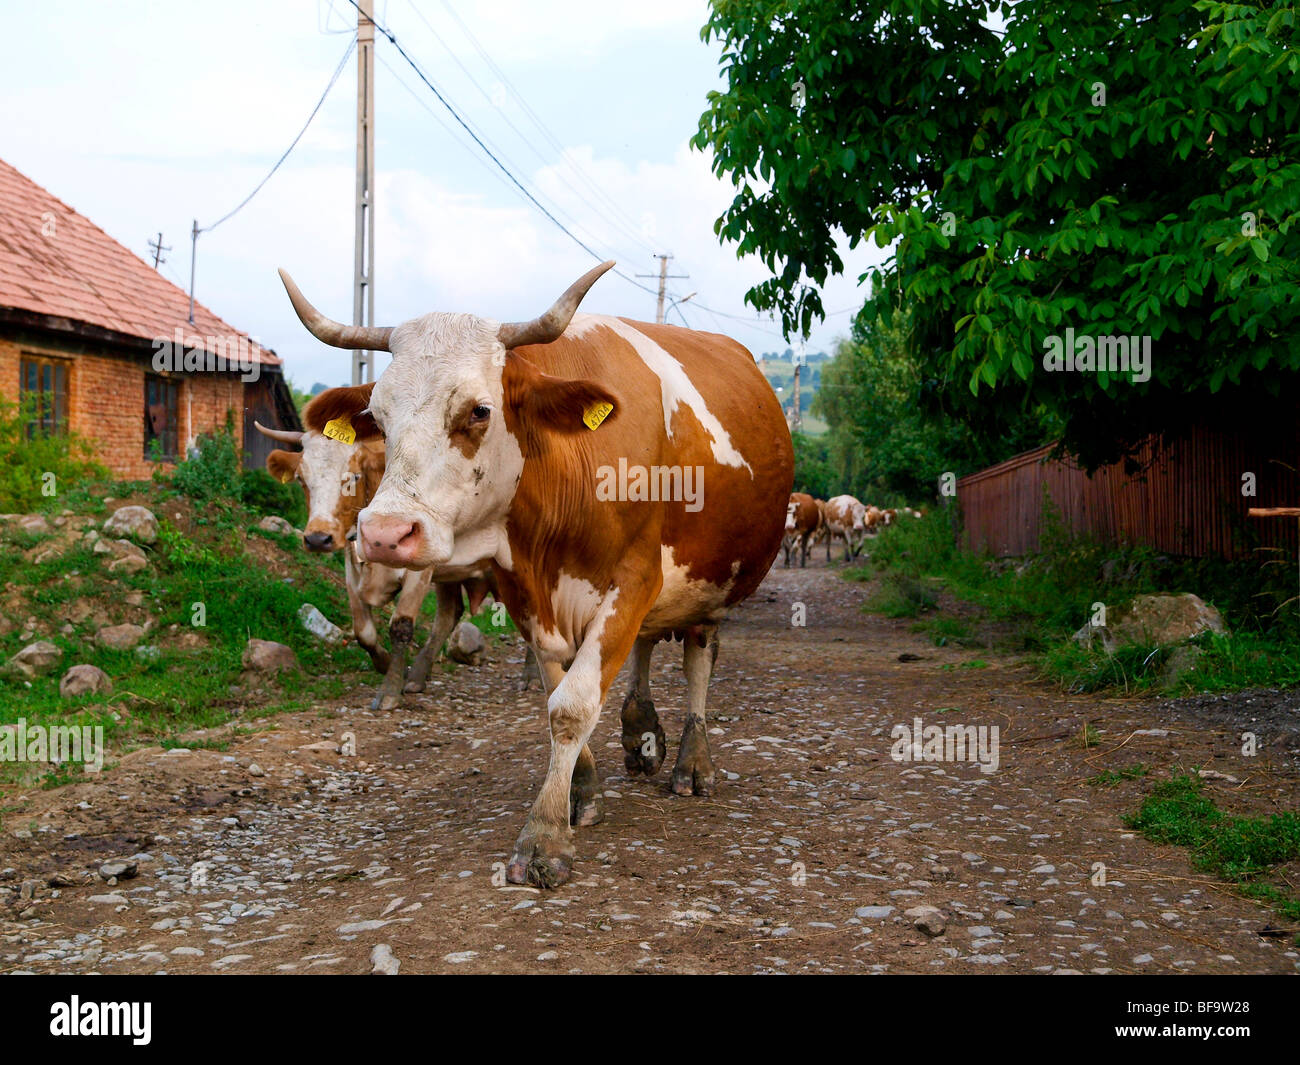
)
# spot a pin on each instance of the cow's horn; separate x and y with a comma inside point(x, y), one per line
point(285, 436)
point(549, 326)
point(336, 334)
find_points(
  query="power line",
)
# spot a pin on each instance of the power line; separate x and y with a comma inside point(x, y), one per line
point(292, 144)
point(520, 188)
point(613, 223)
point(577, 225)
point(491, 155)
point(543, 129)
point(195, 230)
point(451, 133)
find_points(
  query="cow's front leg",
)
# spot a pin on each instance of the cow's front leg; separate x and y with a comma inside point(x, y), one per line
point(450, 608)
point(414, 588)
point(544, 852)
point(586, 806)
point(644, 742)
point(693, 774)
point(363, 626)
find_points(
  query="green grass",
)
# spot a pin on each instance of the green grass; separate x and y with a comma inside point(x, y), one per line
point(1033, 606)
point(902, 596)
point(1113, 777)
point(1087, 737)
point(943, 629)
point(155, 700)
point(1242, 850)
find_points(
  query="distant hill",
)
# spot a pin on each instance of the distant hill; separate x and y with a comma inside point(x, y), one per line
point(778, 368)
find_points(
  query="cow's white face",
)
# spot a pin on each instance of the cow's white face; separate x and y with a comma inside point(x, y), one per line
point(329, 476)
point(789, 516)
point(452, 464)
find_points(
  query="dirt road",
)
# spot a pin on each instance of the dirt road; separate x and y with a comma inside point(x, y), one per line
point(280, 854)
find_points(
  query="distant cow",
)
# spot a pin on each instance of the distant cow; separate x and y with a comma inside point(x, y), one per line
point(339, 479)
point(627, 482)
point(846, 518)
point(803, 518)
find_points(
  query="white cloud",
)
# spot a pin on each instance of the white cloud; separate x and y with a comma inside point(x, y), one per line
point(147, 116)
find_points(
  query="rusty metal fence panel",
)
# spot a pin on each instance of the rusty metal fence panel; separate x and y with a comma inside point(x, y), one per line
point(1186, 498)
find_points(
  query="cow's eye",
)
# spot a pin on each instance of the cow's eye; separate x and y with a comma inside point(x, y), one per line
point(479, 414)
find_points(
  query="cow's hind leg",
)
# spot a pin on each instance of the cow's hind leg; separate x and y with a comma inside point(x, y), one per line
point(531, 671)
point(644, 742)
point(450, 608)
point(693, 773)
point(363, 627)
point(389, 695)
point(415, 586)
point(586, 807)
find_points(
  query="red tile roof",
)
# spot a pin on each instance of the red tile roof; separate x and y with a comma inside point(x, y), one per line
point(78, 272)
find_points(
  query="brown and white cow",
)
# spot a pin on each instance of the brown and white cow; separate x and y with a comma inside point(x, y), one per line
point(339, 479)
point(626, 481)
point(803, 518)
point(846, 519)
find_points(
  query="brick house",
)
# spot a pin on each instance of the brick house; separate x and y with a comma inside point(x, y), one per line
point(104, 344)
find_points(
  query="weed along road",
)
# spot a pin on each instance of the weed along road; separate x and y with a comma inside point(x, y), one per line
point(835, 839)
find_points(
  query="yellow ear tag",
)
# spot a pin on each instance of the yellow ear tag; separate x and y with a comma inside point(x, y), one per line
point(286, 478)
point(596, 413)
point(340, 429)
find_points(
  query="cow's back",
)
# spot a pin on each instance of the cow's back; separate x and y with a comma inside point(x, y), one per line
point(685, 400)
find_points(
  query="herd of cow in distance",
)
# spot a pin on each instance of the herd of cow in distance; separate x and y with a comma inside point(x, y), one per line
point(809, 521)
point(469, 466)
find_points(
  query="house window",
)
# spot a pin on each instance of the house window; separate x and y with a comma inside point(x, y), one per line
point(43, 389)
point(161, 417)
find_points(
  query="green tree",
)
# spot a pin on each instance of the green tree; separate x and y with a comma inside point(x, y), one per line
point(889, 438)
point(1119, 169)
point(37, 464)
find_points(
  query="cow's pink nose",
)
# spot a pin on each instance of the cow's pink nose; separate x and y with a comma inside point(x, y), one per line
point(392, 541)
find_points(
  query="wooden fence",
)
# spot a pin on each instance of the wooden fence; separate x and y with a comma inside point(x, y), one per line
point(1187, 498)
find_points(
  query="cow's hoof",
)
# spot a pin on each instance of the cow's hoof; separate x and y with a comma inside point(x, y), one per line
point(541, 864)
point(644, 742)
point(692, 782)
point(693, 774)
point(414, 687)
point(583, 813)
point(385, 702)
point(643, 752)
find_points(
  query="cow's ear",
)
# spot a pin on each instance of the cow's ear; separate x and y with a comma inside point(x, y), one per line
point(342, 406)
point(283, 465)
point(566, 405)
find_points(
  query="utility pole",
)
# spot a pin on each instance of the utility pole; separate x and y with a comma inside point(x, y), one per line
point(363, 266)
point(157, 247)
point(796, 422)
point(663, 276)
point(194, 254)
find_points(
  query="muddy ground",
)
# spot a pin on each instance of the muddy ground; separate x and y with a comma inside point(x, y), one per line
point(280, 854)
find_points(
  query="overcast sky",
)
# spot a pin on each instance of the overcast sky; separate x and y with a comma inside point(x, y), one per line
point(144, 116)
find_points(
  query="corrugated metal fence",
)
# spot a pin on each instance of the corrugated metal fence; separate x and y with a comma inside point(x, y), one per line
point(1187, 499)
